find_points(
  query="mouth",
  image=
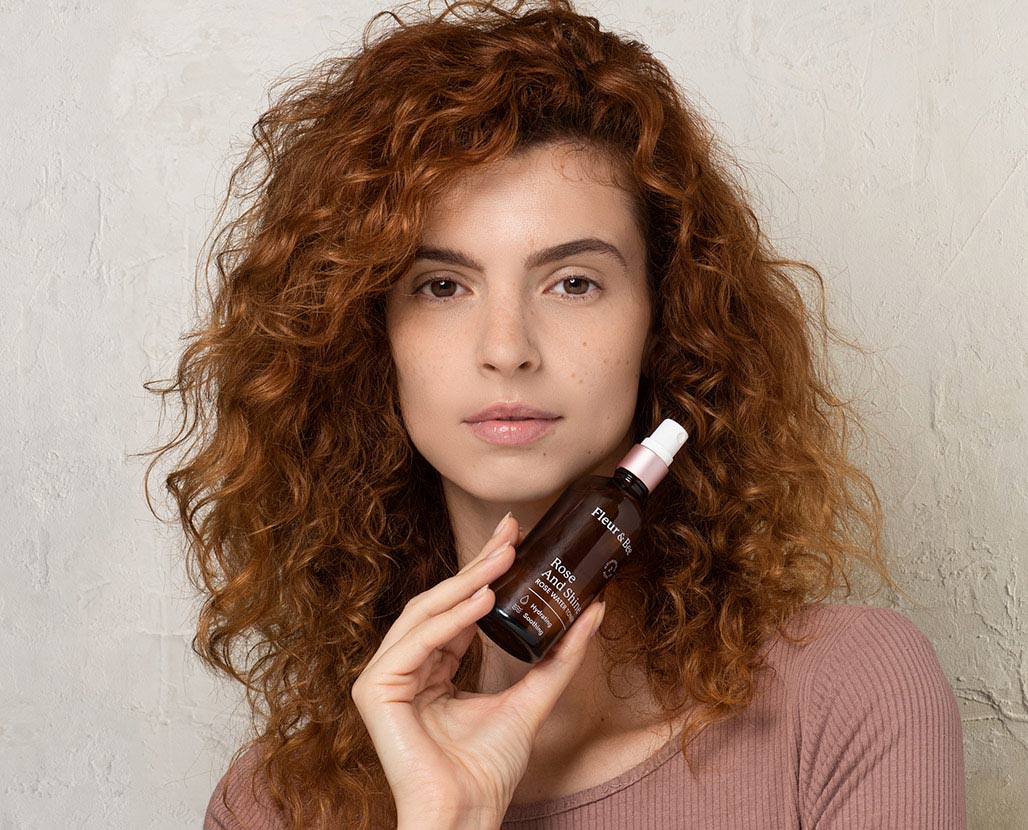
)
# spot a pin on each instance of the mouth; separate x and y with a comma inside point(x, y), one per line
point(513, 431)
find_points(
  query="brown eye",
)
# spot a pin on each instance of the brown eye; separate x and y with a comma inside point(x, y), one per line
point(449, 283)
point(581, 282)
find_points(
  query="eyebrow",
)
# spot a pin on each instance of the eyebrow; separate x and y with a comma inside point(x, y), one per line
point(554, 253)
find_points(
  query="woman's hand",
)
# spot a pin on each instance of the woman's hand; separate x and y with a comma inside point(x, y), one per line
point(454, 758)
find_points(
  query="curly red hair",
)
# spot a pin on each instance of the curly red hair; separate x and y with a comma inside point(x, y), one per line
point(310, 518)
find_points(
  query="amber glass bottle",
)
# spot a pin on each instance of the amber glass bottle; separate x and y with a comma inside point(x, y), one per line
point(575, 549)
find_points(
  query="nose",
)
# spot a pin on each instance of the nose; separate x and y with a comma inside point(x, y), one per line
point(506, 335)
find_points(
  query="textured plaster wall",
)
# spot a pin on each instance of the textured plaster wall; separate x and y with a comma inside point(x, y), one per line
point(885, 143)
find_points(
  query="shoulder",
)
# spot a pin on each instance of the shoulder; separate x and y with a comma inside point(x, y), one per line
point(879, 726)
point(242, 800)
point(859, 652)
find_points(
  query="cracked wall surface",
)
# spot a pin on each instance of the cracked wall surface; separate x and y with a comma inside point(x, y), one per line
point(884, 142)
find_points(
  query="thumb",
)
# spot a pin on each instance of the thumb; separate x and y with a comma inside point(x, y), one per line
point(538, 691)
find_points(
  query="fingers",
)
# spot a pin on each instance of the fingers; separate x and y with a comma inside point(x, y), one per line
point(450, 656)
point(500, 535)
point(410, 653)
point(447, 593)
point(538, 691)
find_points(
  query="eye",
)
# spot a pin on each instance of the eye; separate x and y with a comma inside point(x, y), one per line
point(433, 299)
point(575, 279)
point(580, 280)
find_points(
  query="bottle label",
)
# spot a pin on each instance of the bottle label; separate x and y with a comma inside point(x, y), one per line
point(623, 538)
point(568, 557)
point(550, 600)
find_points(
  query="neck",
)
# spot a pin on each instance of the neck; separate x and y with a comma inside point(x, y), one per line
point(589, 709)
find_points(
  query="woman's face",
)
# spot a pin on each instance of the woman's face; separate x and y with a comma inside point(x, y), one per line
point(471, 324)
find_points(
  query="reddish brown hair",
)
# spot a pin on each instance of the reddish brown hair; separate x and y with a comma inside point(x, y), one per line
point(309, 516)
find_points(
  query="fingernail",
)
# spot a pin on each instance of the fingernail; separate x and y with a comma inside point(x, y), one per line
point(498, 551)
point(479, 592)
point(500, 525)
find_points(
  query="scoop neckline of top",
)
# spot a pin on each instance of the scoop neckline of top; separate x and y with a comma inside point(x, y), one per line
point(551, 806)
point(538, 809)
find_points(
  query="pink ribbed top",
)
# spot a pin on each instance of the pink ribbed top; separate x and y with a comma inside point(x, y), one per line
point(857, 729)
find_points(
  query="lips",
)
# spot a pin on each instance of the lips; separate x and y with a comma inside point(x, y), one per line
point(513, 433)
point(511, 410)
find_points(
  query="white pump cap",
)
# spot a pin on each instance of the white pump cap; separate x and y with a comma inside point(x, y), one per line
point(649, 459)
point(666, 440)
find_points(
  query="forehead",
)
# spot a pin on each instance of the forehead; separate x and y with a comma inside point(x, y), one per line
point(559, 181)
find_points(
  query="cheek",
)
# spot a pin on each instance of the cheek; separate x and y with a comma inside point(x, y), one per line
point(608, 360)
point(411, 346)
point(419, 374)
point(427, 377)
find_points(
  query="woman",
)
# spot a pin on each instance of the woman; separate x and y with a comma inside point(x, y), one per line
point(514, 206)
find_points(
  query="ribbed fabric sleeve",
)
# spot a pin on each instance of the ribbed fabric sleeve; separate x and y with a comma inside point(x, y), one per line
point(858, 729)
point(882, 741)
point(240, 802)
